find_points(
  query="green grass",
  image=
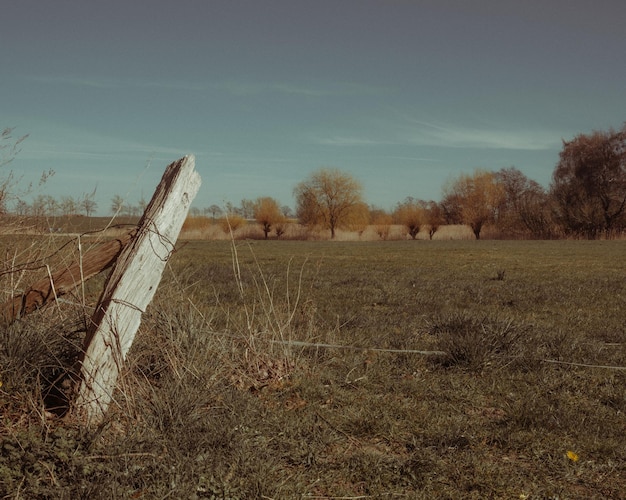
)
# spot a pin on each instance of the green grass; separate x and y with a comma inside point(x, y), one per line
point(216, 402)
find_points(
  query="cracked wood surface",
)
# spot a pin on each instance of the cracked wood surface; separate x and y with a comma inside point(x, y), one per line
point(131, 286)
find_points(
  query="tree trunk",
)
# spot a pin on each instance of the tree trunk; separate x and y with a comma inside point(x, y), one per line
point(130, 288)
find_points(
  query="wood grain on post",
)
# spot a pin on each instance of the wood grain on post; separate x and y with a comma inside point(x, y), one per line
point(131, 286)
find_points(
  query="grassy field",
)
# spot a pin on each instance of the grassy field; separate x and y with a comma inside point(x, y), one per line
point(288, 369)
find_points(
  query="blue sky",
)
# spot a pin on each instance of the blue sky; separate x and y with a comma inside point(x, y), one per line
point(403, 95)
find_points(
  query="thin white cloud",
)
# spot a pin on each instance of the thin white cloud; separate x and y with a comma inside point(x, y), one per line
point(350, 141)
point(434, 134)
point(416, 159)
point(320, 90)
point(54, 142)
point(238, 88)
point(419, 133)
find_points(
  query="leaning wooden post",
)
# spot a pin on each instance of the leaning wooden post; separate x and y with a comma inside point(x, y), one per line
point(130, 288)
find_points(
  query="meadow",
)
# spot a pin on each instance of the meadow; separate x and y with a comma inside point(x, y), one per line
point(319, 369)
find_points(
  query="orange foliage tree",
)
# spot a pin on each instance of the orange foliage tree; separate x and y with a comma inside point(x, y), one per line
point(329, 198)
point(473, 199)
point(411, 213)
point(267, 213)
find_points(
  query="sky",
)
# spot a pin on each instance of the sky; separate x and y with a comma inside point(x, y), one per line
point(403, 95)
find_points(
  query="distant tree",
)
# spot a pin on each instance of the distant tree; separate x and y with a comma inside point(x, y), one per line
point(382, 222)
point(215, 211)
point(52, 205)
point(280, 227)
point(411, 213)
point(434, 217)
point(287, 211)
point(589, 184)
point(359, 218)
point(328, 198)
point(195, 212)
point(247, 208)
point(267, 213)
point(38, 207)
point(231, 209)
point(525, 205)
point(21, 208)
point(69, 206)
point(451, 206)
point(474, 199)
point(88, 205)
point(535, 209)
point(117, 204)
point(128, 210)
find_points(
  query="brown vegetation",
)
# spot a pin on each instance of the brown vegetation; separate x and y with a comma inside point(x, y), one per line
point(259, 372)
point(330, 199)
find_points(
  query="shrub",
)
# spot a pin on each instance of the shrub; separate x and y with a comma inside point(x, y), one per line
point(474, 343)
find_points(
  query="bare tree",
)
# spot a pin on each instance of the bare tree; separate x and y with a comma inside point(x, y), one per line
point(474, 199)
point(525, 205)
point(52, 205)
point(214, 210)
point(287, 211)
point(247, 208)
point(117, 204)
point(382, 222)
point(69, 206)
point(88, 205)
point(434, 217)
point(39, 205)
point(589, 184)
point(411, 213)
point(328, 198)
point(21, 208)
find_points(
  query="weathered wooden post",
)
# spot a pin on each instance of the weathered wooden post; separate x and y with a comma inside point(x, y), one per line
point(130, 288)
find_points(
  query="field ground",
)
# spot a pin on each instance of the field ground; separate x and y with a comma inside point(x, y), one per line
point(293, 369)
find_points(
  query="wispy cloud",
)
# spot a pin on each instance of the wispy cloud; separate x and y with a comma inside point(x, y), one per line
point(56, 143)
point(234, 87)
point(321, 89)
point(350, 141)
point(453, 136)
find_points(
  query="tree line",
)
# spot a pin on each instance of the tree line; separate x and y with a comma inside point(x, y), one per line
point(586, 198)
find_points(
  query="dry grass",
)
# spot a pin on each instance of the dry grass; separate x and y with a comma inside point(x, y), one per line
point(203, 228)
point(217, 403)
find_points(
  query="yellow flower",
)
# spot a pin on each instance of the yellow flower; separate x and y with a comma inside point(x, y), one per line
point(572, 456)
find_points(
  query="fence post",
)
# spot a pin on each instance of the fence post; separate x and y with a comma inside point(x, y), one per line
point(130, 288)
